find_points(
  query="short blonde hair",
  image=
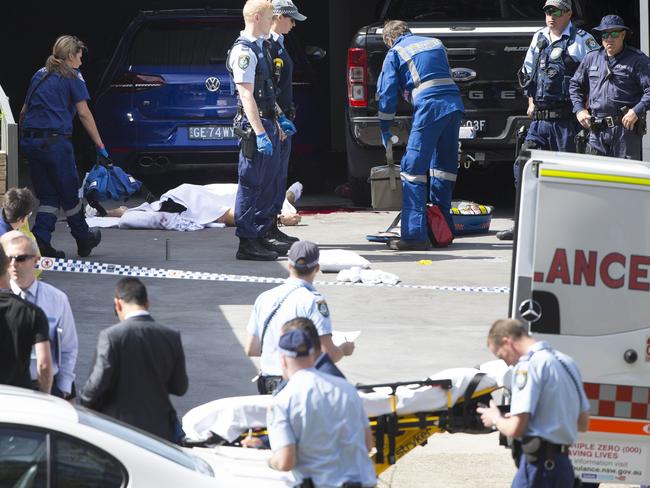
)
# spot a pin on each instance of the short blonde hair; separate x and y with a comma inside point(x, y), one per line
point(253, 7)
point(393, 29)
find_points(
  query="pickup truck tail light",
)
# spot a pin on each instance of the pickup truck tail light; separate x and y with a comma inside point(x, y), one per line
point(357, 90)
point(131, 82)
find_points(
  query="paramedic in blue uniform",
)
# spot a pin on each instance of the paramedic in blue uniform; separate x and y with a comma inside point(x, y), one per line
point(285, 15)
point(295, 298)
point(251, 66)
point(417, 67)
point(317, 424)
point(611, 92)
point(548, 406)
point(552, 58)
point(55, 95)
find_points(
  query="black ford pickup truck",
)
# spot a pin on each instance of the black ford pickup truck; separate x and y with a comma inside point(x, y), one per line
point(486, 44)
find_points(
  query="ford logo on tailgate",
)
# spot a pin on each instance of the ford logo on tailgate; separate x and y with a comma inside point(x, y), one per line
point(463, 74)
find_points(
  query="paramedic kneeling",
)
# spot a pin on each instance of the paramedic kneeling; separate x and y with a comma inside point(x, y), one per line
point(317, 425)
point(548, 406)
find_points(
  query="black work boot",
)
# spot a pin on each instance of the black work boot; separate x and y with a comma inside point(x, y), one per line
point(92, 240)
point(506, 235)
point(400, 245)
point(281, 247)
point(48, 251)
point(252, 250)
point(275, 233)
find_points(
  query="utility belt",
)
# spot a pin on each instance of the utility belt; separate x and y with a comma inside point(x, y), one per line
point(43, 134)
point(266, 385)
point(552, 114)
point(248, 143)
point(610, 121)
point(538, 450)
point(289, 112)
point(308, 483)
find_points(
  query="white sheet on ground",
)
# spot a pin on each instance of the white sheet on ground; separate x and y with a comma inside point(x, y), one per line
point(103, 222)
point(230, 417)
point(334, 260)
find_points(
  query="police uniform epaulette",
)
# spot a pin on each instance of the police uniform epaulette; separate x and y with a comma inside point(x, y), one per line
point(582, 32)
point(635, 50)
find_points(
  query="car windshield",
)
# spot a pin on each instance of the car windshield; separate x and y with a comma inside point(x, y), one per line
point(184, 42)
point(469, 10)
point(135, 436)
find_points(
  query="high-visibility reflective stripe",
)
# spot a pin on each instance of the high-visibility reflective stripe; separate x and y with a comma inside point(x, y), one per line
point(431, 83)
point(413, 178)
point(74, 210)
point(407, 53)
point(384, 116)
point(47, 209)
point(577, 175)
point(442, 175)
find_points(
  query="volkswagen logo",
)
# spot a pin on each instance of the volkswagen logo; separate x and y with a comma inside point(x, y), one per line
point(530, 310)
point(212, 84)
point(463, 74)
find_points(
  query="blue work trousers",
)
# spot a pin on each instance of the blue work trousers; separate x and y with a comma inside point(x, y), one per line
point(256, 192)
point(550, 135)
point(616, 142)
point(536, 475)
point(433, 150)
point(56, 184)
point(281, 179)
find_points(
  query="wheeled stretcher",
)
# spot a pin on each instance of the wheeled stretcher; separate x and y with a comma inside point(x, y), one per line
point(403, 415)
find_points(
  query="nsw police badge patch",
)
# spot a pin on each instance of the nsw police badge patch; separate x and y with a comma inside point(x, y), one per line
point(244, 61)
point(322, 308)
point(521, 377)
point(591, 44)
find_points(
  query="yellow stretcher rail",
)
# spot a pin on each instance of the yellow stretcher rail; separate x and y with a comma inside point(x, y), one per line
point(396, 435)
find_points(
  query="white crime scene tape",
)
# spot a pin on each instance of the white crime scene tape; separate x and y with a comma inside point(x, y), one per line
point(93, 267)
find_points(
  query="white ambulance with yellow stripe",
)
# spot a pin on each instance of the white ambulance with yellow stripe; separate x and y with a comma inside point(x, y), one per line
point(581, 279)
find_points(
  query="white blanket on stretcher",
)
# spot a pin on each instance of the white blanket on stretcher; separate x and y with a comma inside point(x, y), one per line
point(230, 417)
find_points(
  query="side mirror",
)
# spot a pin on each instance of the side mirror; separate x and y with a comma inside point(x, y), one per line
point(315, 53)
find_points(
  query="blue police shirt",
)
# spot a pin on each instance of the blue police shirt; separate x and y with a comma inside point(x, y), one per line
point(542, 387)
point(610, 83)
point(417, 68)
point(300, 300)
point(52, 105)
point(323, 416)
point(243, 61)
point(548, 76)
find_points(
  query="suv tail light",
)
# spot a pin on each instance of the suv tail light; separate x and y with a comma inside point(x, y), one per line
point(357, 90)
point(136, 82)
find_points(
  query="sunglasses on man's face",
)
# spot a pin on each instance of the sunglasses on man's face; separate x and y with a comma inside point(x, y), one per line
point(612, 34)
point(21, 258)
point(555, 12)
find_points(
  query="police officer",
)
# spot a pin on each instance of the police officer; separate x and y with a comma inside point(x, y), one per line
point(614, 82)
point(285, 15)
point(548, 406)
point(552, 58)
point(418, 68)
point(317, 425)
point(56, 93)
point(251, 66)
point(297, 297)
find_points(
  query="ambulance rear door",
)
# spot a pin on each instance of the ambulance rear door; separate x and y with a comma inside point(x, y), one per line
point(581, 279)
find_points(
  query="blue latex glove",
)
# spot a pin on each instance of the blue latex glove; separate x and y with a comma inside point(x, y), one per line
point(264, 144)
point(288, 127)
point(384, 126)
point(101, 151)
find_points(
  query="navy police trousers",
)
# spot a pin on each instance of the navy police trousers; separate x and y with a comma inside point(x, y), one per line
point(256, 192)
point(538, 475)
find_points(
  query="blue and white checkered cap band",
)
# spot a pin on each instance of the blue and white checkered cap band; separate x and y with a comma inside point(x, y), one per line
point(288, 9)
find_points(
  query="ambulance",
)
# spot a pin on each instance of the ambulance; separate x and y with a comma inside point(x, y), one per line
point(581, 279)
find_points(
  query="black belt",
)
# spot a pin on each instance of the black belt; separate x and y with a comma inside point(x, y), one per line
point(552, 114)
point(43, 134)
point(268, 114)
point(606, 122)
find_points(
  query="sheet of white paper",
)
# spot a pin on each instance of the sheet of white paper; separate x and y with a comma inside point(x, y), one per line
point(339, 337)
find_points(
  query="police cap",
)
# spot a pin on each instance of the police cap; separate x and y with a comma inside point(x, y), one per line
point(295, 343)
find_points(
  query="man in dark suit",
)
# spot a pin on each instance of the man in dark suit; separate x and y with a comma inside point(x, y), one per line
point(138, 364)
